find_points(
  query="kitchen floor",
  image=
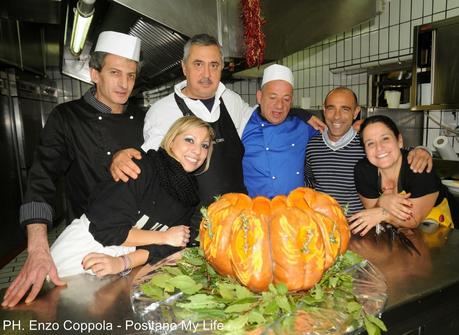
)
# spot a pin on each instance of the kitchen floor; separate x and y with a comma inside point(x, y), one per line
point(10, 270)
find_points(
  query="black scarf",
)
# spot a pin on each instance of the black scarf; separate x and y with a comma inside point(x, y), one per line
point(175, 180)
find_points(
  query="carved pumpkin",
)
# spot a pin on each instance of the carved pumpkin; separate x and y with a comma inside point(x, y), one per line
point(290, 239)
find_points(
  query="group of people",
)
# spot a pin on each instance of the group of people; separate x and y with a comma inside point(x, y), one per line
point(136, 199)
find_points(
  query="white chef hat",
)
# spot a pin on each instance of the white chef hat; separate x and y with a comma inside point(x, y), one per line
point(277, 72)
point(119, 44)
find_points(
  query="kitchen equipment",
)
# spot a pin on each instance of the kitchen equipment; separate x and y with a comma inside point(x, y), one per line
point(392, 98)
point(453, 186)
point(444, 148)
point(435, 65)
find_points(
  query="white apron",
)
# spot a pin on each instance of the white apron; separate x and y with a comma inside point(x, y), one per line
point(74, 243)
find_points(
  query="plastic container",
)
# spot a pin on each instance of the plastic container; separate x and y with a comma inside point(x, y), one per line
point(392, 98)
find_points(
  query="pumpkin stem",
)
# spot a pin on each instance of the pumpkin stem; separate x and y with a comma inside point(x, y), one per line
point(346, 209)
point(207, 223)
point(332, 233)
point(305, 248)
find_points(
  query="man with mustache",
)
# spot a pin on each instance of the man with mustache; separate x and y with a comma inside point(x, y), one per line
point(77, 143)
point(203, 95)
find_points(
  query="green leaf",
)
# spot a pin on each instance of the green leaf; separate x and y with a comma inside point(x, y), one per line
point(211, 270)
point(236, 324)
point(227, 291)
point(162, 280)
point(208, 314)
point(282, 302)
point(238, 308)
point(317, 293)
point(334, 281)
point(185, 284)
point(152, 291)
point(378, 322)
point(256, 317)
point(199, 301)
point(242, 292)
point(271, 308)
point(282, 289)
point(353, 306)
point(371, 328)
point(173, 270)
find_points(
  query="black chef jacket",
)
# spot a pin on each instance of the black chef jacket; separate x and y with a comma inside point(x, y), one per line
point(78, 142)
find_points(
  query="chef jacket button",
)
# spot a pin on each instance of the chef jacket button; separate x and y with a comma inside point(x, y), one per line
point(293, 144)
point(100, 117)
point(297, 172)
point(274, 177)
point(109, 153)
point(262, 124)
point(267, 148)
point(154, 202)
point(131, 117)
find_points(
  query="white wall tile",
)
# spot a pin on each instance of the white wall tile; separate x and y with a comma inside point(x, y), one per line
point(319, 76)
point(312, 56)
point(326, 55)
point(319, 55)
point(374, 24)
point(394, 12)
point(384, 18)
point(364, 46)
point(340, 51)
point(452, 4)
point(356, 48)
point(427, 7)
point(365, 27)
point(348, 49)
point(394, 39)
point(405, 11)
point(362, 96)
point(427, 19)
point(416, 9)
point(453, 12)
point(405, 33)
point(312, 76)
point(332, 54)
point(438, 16)
point(296, 78)
point(327, 75)
point(383, 42)
point(439, 6)
point(374, 43)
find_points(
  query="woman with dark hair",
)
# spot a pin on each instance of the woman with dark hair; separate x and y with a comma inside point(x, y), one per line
point(143, 220)
point(388, 189)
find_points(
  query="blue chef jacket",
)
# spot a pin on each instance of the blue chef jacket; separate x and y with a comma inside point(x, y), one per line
point(274, 155)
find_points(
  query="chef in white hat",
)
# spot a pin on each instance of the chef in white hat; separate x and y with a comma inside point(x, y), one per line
point(77, 144)
point(274, 140)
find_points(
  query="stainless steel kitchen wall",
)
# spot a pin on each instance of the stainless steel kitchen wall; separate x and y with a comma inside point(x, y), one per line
point(26, 101)
point(12, 239)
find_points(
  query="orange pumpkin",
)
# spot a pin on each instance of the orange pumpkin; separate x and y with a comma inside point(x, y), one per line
point(290, 239)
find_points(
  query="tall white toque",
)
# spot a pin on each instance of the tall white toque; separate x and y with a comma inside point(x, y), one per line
point(277, 72)
point(119, 44)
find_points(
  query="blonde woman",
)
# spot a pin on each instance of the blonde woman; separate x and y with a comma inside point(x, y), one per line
point(143, 220)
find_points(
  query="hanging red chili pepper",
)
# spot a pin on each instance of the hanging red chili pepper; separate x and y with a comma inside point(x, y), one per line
point(253, 35)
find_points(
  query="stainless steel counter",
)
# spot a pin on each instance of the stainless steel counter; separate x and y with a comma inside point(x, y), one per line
point(105, 305)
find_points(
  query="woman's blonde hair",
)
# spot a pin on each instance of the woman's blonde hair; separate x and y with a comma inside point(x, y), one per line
point(182, 125)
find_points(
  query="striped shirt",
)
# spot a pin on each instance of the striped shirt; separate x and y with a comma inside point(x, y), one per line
point(332, 171)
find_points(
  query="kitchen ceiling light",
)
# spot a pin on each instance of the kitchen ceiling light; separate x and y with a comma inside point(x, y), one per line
point(84, 12)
